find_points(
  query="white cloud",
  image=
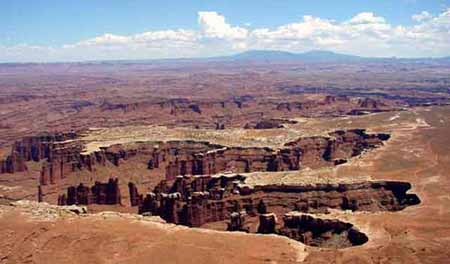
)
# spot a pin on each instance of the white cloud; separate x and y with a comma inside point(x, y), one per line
point(364, 34)
point(176, 35)
point(146, 38)
point(424, 15)
point(367, 18)
point(214, 25)
point(106, 39)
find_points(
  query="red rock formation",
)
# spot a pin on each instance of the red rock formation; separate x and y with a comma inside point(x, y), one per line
point(331, 99)
point(135, 198)
point(267, 223)
point(310, 151)
point(13, 163)
point(365, 196)
point(33, 148)
point(265, 124)
point(261, 208)
point(370, 103)
point(237, 222)
point(193, 201)
point(62, 160)
point(63, 155)
point(197, 200)
point(321, 232)
point(100, 193)
point(183, 158)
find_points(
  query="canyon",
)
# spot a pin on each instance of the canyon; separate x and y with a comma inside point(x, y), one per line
point(201, 183)
point(62, 154)
point(278, 162)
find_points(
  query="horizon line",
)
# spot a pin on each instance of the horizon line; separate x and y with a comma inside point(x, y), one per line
point(230, 56)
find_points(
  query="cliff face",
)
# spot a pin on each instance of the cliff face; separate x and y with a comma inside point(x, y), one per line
point(187, 157)
point(99, 193)
point(240, 111)
point(13, 163)
point(318, 232)
point(34, 148)
point(196, 200)
point(135, 198)
point(305, 152)
point(62, 155)
point(62, 160)
point(249, 102)
point(185, 203)
point(40, 147)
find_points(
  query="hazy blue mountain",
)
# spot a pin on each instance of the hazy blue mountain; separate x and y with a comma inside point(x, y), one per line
point(264, 55)
point(273, 56)
point(315, 55)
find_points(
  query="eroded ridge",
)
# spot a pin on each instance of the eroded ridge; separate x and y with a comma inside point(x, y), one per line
point(194, 201)
point(36, 148)
point(329, 233)
point(63, 154)
point(197, 201)
point(201, 183)
point(99, 193)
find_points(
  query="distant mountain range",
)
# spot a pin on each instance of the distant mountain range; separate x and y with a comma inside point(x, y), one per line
point(319, 56)
point(315, 55)
point(283, 56)
point(272, 56)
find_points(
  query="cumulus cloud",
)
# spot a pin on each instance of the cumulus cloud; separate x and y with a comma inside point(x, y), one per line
point(214, 25)
point(365, 34)
point(106, 39)
point(424, 15)
point(172, 37)
point(367, 18)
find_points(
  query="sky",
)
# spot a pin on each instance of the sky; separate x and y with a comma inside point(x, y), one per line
point(56, 30)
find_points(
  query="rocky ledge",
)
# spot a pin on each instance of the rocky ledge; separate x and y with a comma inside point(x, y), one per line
point(196, 200)
point(329, 233)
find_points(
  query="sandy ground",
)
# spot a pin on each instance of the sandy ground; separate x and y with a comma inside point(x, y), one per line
point(121, 238)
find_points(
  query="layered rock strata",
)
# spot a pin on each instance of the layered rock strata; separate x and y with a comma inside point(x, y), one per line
point(194, 201)
point(319, 232)
point(267, 223)
point(62, 154)
point(189, 158)
point(238, 111)
point(35, 148)
point(237, 222)
point(99, 193)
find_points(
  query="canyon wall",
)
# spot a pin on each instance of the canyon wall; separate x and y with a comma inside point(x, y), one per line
point(62, 154)
point(320, 232)
point(33, 148)
point(228, 110)
point(99, 193)
point(305, 152)
point(196, 200)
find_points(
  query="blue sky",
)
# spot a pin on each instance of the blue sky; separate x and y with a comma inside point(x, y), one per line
point(52, 24)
